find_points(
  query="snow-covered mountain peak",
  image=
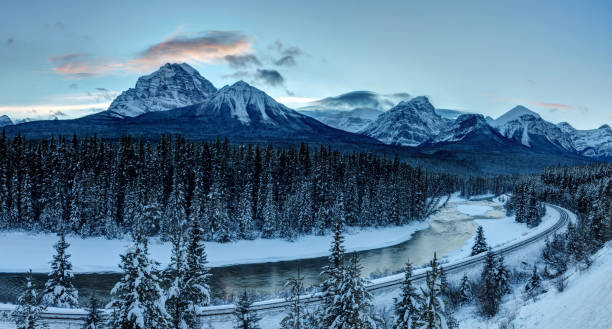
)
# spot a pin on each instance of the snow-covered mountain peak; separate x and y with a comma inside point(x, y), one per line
point(605, 127)
point(515, 113)
point(172, 86)
point(464, 125)
point(5, 121)
point(408, 123)
point(247, 103)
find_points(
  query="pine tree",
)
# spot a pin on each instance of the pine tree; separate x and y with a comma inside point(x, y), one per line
point(406, 312)
point(534, 284)
point(490, 296)
point(137, 300)
point(502, 277)
point(245, 317)
point(177, 305)
point(27, 313)
point(480, 244)
point(465, 291)
point(197, 275)
point(59, 289)
point(333, 273)
point(94, 316)
point(432, 309)
point(295, 313)
point(353, 300)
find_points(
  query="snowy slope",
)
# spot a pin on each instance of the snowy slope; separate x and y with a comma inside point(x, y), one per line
point(408, 123)
point(514, 114)
point(5, 121)
point(172, 86)
point(585, 303)
point(523, 125)
point(594, 143)
point(465, 125)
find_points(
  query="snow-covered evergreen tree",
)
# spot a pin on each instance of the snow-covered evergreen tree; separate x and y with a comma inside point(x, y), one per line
point(333, 274)
point(196, 274)
point(406, 307)
point(502, 277)
point(534, 285)
point(432, 309)
point(465, 291)
point(59, 289)
point(137, 300)
point(480, 244)
point(27, 313)
point(490, 296)
point(177, 304)
point(94, 315)
point(353, 300)
point(295, 313)
point(245, 317)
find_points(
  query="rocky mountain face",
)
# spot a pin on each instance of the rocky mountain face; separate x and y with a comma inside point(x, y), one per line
point(408, 123)
point(593, 143)
point(467, 125)
point(528, 129)
point(172, 86)
point(5, 121)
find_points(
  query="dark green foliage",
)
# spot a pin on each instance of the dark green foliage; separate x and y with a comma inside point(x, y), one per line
point(246, 318)
point(480, 245)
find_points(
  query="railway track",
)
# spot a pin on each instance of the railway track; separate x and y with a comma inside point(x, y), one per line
point(281, 304)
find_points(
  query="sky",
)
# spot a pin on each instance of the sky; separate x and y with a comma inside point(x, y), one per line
point(71, 58)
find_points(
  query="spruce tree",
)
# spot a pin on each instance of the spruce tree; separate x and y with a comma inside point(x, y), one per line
point(333, 274)
point(353, 300)
point(480, 244)
point(534, 284)
point(432, 308)
point(137, 300)
point(489, 295)
point(406, 311)
point(177, 304)
point(245, 317)
point(197, 274)
point(295, 313)
point(27, 313)
point(465, 291)
point(502, 277)
point(59, 289)
point(94, 315)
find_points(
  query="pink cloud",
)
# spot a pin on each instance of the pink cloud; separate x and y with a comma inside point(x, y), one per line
point(204, 47)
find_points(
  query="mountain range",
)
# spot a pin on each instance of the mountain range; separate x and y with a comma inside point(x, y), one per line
point(176, 99)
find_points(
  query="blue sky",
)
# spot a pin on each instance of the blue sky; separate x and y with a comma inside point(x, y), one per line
point(554, 57)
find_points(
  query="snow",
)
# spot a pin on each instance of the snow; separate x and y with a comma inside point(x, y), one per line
point(21, 251)
point(585, 303)
point(473, 210)
point(513, 114)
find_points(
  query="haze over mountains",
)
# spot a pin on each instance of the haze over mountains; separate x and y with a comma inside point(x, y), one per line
point(176, 99)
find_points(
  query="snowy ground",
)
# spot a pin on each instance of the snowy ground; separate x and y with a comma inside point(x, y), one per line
point(585, 303)
point(20, 251)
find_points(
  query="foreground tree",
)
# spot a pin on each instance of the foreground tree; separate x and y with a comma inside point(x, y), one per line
point(59, 289)
point(534, 284)
point(196, 272)
point(465, 291)
point(295, 315)
point(137, 301)
point(432, 309)
point(94, 316)
point(480, 245)
point(406, 312)
point(27, 313)
point(333, 273)
point(245, 317)
point(354, 300)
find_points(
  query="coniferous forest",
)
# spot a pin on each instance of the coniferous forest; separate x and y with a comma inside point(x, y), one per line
point(94, 187)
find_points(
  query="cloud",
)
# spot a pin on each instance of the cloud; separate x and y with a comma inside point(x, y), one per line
point(360, 99)
point(49, 111)
point(73, 86)
point(105, 94)
point(242, 61)
point(79, 66)
point(286, 61)
point(269, 77)
point(288, 54)
point(59, 25)
point(205, 47)
point(10, 41)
